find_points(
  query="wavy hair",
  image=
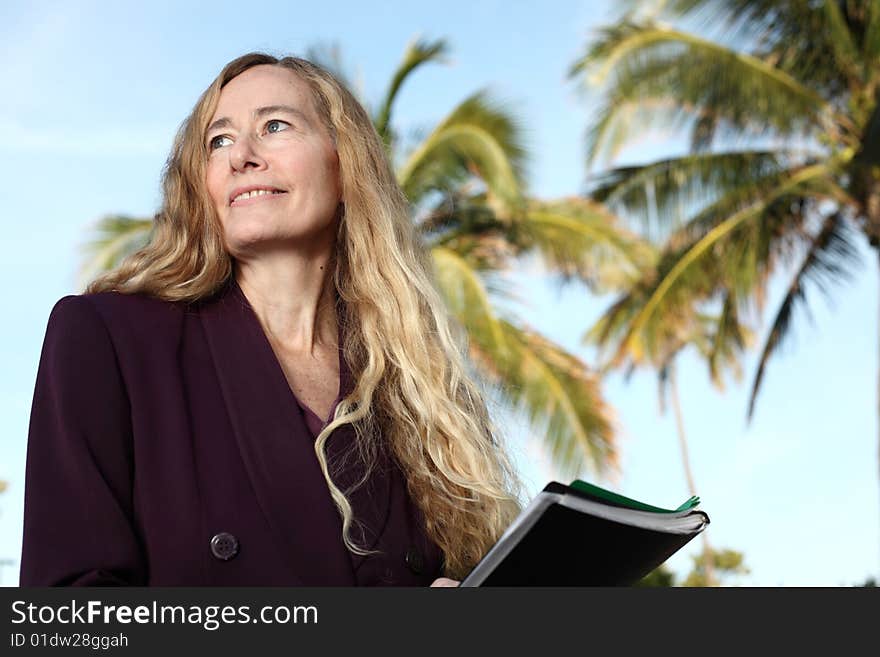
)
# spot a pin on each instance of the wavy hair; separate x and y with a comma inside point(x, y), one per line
point(407, 356)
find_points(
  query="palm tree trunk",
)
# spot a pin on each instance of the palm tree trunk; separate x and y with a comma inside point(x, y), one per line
point(708, 561)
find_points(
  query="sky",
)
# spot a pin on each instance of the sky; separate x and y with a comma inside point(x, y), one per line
point(92, 93)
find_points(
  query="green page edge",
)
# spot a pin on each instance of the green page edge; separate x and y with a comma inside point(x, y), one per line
point(601, 493)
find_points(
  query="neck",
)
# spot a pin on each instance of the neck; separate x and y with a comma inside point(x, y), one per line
point(294, 298)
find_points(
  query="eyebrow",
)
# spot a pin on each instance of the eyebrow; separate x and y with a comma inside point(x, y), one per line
point(260, 112)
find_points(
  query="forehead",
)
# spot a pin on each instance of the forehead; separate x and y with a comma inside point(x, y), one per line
point(262, 86)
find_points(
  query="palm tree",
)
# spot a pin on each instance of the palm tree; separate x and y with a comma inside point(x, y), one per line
point(720, 340)
point(783, 171)
point(465, 181)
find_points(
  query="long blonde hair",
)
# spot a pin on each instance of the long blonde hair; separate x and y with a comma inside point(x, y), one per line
point(407, 356)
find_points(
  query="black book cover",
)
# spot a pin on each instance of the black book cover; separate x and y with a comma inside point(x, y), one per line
point(568, 537)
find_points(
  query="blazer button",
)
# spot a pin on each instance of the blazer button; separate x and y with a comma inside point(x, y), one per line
point(224, 546)
point(414, 560)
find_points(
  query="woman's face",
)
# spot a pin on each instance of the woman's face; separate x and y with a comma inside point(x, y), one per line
point(273, 171)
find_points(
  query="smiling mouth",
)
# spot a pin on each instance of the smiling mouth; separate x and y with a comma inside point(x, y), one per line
point(256, 193)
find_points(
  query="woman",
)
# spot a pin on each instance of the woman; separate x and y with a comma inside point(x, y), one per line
point(270, 392)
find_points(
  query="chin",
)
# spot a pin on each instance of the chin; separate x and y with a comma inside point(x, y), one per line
point(249, 244)
point(254, 234)
point(247, 239)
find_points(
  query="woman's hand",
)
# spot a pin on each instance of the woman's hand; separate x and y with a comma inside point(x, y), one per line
point(445, 581)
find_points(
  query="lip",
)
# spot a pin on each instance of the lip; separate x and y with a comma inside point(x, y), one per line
point(253, 188)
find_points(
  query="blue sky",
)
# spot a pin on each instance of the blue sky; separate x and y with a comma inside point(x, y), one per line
point(92, 95)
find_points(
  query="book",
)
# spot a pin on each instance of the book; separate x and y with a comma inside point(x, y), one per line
point(584, 535)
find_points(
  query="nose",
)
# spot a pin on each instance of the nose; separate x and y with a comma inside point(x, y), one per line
point(244, 154)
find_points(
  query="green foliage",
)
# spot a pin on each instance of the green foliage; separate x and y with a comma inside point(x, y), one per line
point(726, 565)
point(781, 110)
point(116, 237)
point(661, 576)
point(417, 53)
point(477, 142)
point(779, 103)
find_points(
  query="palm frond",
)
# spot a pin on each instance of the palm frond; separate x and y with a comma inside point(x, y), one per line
point(689, 268)
point(839, 38)
point(479, 139)
point(577, 238)
point(720, 338)
point(728, 339)
point(651, 62)
point(679, 186)
point(869, 153)
point(417, 53)
point(816, 42)
point(116, 237)
point(329, 56)
point(619, 121)
point(789, 200)
point(607, 332)
point(828, 261)
point(558, 392)
point(744, 260)
point(664, 336)
point(871, 40)
point(470, 228)
point(467, 299)
point(553, 388)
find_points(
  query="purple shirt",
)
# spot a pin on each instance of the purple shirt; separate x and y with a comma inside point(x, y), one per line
point(313, 422)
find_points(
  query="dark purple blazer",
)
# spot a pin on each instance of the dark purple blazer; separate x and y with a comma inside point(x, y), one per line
point(167, 449)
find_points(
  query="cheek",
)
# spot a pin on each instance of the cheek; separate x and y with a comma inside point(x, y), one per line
point(316, 177)
point(215, 187)
point(333, 175)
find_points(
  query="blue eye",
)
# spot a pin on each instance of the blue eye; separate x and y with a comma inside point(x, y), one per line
point(276, 126)
point(217, 142)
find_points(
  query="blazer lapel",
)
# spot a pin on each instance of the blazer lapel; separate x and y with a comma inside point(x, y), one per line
point(274, 442)
point(369, 497)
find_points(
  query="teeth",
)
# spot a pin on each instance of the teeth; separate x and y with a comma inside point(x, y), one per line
point(256, 192)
